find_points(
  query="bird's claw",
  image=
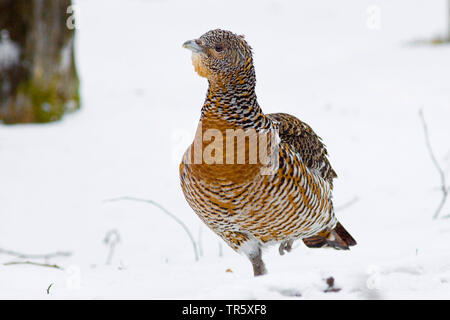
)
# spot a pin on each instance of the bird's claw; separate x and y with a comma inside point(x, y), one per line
point(285, 246)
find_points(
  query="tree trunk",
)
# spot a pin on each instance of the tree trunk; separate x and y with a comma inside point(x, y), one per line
point(448, 20)
point(38, 78)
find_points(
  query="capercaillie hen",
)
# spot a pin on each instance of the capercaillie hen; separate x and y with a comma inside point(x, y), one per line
point(231, 193)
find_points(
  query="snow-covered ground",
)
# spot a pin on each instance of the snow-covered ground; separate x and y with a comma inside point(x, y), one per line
point(355, 79)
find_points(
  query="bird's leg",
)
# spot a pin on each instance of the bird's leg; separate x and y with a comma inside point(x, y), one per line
point(288, 246)
point(258, 265)
point(241, 242)
point(285, 246)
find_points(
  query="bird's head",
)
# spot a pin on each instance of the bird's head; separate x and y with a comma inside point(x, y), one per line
point(220, 54)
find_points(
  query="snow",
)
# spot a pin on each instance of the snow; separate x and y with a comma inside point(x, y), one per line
point(66, 56)
point(360, 88)
point(9, 51)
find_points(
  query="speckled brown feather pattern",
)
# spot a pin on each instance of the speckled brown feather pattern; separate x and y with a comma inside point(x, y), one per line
point(309, 145)
point(247, 209)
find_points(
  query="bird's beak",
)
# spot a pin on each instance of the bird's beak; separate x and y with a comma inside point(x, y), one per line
point(193, 46)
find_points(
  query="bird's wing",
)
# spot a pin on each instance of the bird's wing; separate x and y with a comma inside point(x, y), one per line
point(306, 143)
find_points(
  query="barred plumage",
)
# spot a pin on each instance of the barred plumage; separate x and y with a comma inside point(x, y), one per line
point(250, 210)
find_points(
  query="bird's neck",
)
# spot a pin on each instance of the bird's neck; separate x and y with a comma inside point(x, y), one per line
point(232, 98)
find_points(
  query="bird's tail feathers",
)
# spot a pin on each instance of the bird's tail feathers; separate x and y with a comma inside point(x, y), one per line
point(337, 238)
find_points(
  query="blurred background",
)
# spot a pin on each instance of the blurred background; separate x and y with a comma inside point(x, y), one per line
point(98, 100)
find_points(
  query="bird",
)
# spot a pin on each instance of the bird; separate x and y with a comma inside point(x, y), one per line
point(253, 205)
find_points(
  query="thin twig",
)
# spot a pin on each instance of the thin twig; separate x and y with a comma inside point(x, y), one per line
point(34, 264)
point(112, 238)
point(436, 164)
point(49, 287)
point(347, 204)
point(35, 256)
point(199, 241)
point(175, 218)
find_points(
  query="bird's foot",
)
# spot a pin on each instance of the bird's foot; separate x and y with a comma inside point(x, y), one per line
point(285, 246)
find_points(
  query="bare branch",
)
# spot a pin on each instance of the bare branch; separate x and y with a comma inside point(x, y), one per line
point(34, 264)
point(112, 238)
point(200, 241)
point(49, 287)
point(35, 256)
point(443, 187)
point(348, 204)
point(175, 218)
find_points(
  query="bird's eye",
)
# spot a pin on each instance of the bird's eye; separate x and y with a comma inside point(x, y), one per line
point(218, 48)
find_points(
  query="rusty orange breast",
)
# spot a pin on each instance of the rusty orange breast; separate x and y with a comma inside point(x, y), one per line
point(222, 151)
